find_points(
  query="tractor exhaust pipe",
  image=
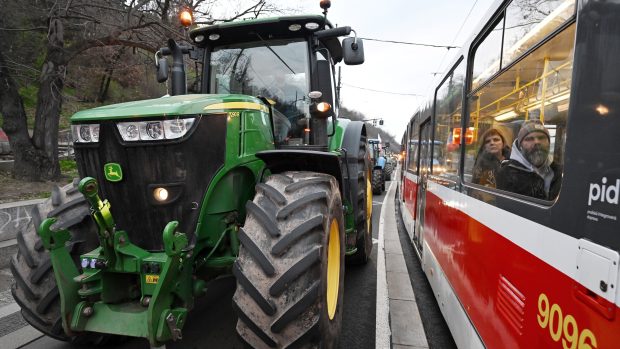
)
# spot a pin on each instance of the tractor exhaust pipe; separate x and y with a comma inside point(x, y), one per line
point(178, 85)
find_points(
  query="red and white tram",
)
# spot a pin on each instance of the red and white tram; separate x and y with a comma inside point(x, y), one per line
point(511, 270)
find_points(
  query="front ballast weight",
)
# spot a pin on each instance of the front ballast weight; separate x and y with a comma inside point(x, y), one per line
point(122, 289)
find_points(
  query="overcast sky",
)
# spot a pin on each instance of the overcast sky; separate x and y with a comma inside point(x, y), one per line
point(397, 68)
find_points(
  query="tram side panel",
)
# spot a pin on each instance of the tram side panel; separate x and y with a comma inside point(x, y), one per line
point(513, 272)
point(499, 266)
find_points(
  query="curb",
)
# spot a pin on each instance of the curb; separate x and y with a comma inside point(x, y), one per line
point(8, 248)
point(383, 333)
point(406, 326)
point(6, 165)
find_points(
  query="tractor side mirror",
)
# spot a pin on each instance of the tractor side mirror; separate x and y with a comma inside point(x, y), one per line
point(387, 145)
point(381, 122)
point(162, 70)
point(353, 51)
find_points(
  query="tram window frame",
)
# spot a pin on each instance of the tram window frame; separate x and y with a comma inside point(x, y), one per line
point(562, 34)
point(488, 39)
point(501, 19)
point(448, 166)
point(530, 38)
point(413, 146)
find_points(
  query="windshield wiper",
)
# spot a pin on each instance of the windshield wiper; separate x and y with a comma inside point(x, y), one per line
point(274, 52)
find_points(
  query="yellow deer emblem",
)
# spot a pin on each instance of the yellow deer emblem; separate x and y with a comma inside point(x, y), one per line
point(113, 172)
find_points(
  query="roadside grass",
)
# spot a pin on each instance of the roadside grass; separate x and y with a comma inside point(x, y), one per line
point(68, 168)
point(15, 189)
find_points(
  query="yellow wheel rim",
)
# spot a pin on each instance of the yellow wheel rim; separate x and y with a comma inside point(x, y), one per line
point(333, 268)
point(368, 201)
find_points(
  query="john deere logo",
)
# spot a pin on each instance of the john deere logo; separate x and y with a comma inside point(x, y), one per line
point(113, 172)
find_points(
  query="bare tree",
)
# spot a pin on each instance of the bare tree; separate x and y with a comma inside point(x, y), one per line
point(71, 27)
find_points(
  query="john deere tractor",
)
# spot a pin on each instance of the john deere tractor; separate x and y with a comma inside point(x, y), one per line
point(255, 175)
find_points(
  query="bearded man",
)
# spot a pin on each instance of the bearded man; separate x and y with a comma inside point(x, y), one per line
point(530, 170)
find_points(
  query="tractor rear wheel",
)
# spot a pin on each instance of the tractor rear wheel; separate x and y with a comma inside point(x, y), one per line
point(34, 287)
point(290, 270)
point(363, 214)
point(378, 184)
point(389, 168)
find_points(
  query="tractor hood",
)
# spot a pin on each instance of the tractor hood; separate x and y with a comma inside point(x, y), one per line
point(170, 106)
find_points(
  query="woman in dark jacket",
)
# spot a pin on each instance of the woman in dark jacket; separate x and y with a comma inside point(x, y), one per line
point(493, 150)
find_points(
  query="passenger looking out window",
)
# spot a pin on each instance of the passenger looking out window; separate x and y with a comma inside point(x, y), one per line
point(530, 170)
point(532, 85)
point(493, 150)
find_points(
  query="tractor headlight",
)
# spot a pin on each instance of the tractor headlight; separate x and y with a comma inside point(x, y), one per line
point(177, 128)
point(160, 194)
point(154, 130)
point(86, 133)
point(129, 130)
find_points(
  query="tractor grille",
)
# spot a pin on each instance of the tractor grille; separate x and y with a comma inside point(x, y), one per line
point(185, 167)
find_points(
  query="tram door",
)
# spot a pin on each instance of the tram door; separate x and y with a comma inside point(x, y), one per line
point(426, 157)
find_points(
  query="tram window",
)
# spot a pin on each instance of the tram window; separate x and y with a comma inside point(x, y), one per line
point(487, 56)
point(414, 141)
point(535, 88)
point(530, 21)
point(448, 111)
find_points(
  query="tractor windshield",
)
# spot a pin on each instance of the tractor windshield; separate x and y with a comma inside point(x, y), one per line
point(277, 70)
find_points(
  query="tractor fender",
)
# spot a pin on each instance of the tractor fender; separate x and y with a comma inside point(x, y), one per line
point(278, 161)
point(350, 141)
point(353, 134)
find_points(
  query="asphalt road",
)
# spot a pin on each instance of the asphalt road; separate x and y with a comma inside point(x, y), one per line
point(211, 324)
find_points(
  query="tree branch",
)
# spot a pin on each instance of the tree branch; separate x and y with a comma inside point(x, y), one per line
point(24, 29)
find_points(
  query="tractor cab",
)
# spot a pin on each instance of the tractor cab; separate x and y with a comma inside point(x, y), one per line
point(288, 62)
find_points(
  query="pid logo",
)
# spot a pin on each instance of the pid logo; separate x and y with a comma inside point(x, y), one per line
point(603, 192)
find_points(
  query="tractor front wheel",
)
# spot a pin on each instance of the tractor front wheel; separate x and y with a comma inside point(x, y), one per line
point(35, 287)
point(290, 270)
point(378, 183)
point(363, 208)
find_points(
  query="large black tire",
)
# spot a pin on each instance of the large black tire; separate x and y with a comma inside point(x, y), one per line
point(282, 270)
point(363, 208)
point(378, 183)
point(389, 168)
point(34, 287)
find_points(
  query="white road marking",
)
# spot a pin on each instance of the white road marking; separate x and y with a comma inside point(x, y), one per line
point(382, 332)
point(18, 338)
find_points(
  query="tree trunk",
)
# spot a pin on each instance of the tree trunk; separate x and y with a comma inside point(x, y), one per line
point(26, 157)
point(36, 158)
point(105, 85)
point(49, 101)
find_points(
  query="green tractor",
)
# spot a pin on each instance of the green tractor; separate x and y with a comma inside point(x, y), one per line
point(254, 175)
point(378, 162)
